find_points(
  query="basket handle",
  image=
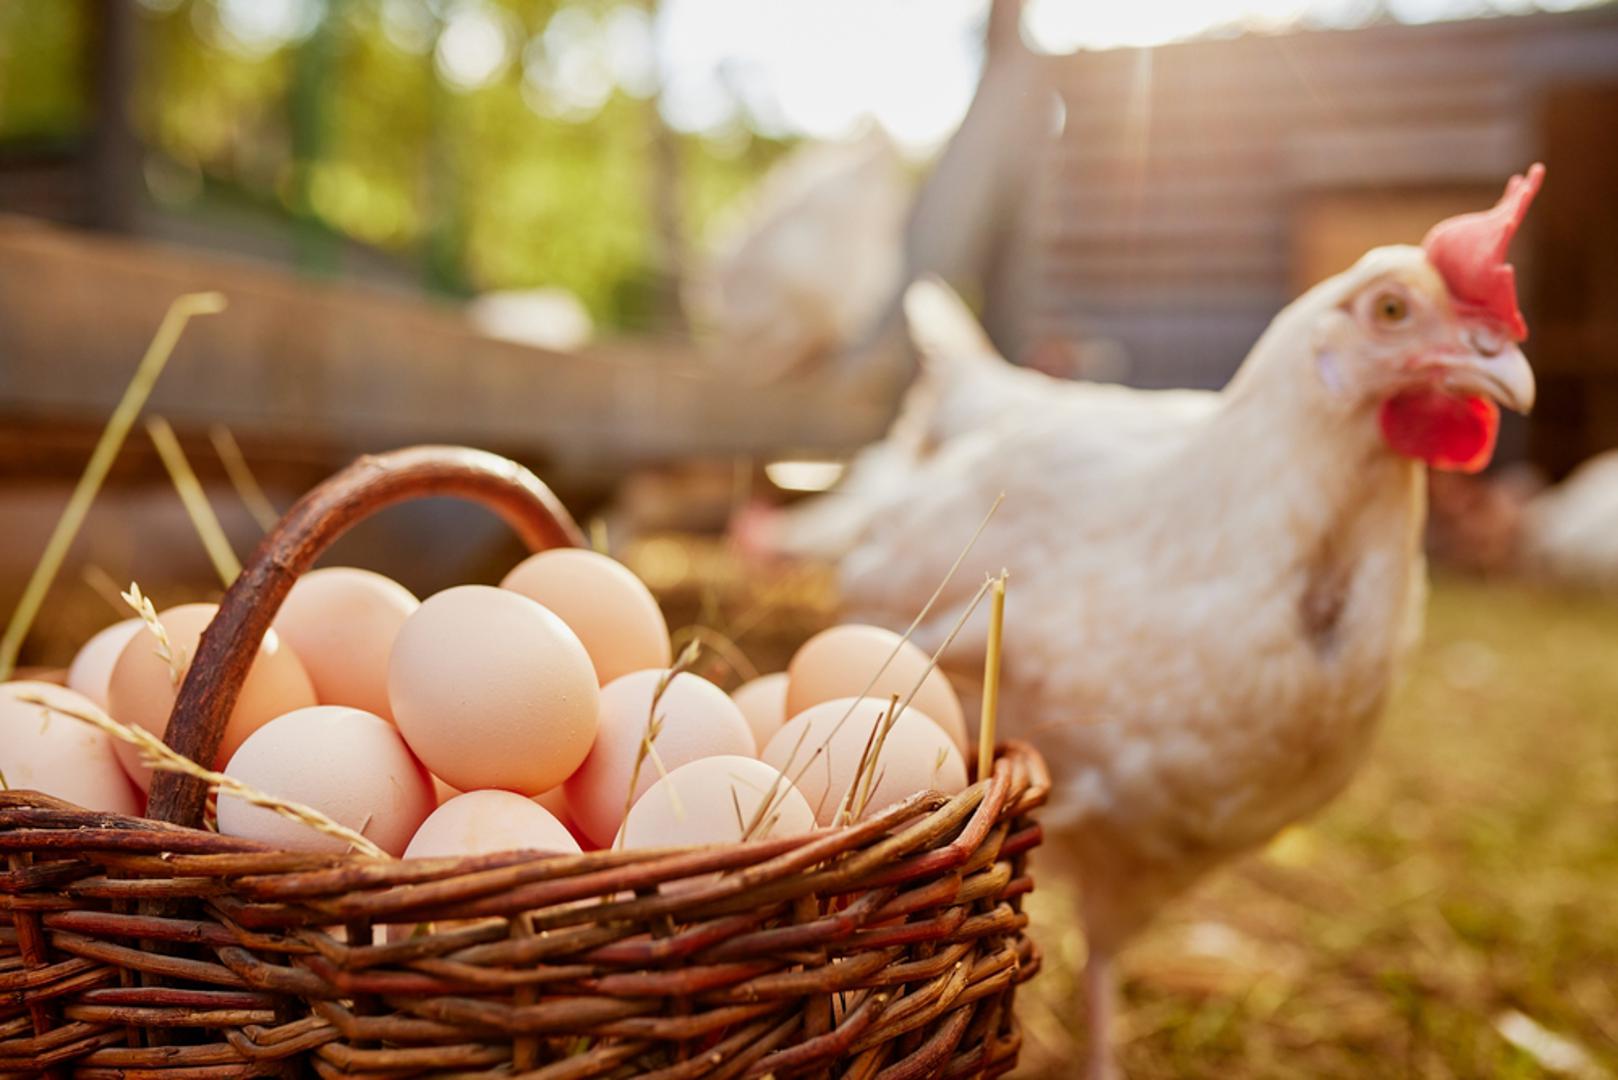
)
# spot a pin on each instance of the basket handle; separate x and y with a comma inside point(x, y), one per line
point(230, 642)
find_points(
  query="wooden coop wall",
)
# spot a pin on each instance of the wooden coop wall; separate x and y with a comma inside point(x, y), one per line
point(1195, 188)
point(1572, 301)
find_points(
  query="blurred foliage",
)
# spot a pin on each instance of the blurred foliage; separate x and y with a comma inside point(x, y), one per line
point(44, 76)
point(526, 163)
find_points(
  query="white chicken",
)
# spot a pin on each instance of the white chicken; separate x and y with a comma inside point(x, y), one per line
point(1569, 532)
point(1210, 591)
point(811, 261)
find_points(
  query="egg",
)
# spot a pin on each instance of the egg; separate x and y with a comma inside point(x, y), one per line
point(58, 755)
point(492, 690)
point(142, 692)
point(341, 622)
point(916, 755)
point(839, 663)
point(712, 801)
point(442, 792)
point(698, 720)
point(763, 702)
point(347, 763)
point(555, 800)
point(483, 822)
point(92, 667)
point(614, 614)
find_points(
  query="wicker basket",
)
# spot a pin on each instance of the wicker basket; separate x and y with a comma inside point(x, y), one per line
point(147, 947)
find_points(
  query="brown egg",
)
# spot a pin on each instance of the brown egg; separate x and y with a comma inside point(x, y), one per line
point(485, 822)
point(92, 667)
point(341, 623)
point(492, 690)
point(141, 690)
point(554, 800)
point(712, 801)
point(349, 764)
point(763, 703)
point(442, 792)
point(698, 720)
point(820, 751)
point(58, 755)
point(614, 614)
point(840, 663)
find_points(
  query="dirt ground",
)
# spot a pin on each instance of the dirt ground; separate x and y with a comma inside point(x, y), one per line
point(1452, 915)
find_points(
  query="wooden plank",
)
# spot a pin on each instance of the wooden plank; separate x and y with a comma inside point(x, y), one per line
point(357, 368)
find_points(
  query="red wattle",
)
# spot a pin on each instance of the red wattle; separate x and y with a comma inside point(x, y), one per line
point(1456, 434)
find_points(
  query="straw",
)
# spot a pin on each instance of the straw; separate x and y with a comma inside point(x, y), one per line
point(242, 478)
point(102, 584)
point(932, 663)
point(991, 676)
point(600, 543)
point(865, 777)
point(909, 630)
point(195, 500)
point(101, 459)
point(155, 753)
point(654, 728)
point(142, 605)
point(722, 646)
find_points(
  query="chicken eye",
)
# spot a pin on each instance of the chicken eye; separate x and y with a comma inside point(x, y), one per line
point(1390, 309)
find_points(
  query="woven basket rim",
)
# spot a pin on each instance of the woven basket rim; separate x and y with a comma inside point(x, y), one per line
point(86, 823)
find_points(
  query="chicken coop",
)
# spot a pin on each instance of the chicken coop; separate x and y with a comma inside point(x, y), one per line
point(1194, 189)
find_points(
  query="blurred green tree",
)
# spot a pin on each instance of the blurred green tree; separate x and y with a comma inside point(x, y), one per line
point(44, 81)
point(492, 144)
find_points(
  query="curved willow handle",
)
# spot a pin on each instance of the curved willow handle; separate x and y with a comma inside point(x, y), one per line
point(230, 642)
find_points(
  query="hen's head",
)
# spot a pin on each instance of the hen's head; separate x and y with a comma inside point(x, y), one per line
point(1428, 336)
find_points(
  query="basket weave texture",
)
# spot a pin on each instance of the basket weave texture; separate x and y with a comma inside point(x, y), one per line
point(147, 947)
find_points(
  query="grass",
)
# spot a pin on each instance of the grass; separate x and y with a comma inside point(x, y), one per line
point(1466, 885)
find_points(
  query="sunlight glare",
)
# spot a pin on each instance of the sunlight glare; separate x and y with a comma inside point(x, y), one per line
point(822, 69)
point(475, 45)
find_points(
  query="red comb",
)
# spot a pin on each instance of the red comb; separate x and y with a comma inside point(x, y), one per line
point(1469, 251)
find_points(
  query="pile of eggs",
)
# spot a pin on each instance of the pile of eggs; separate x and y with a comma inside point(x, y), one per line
point(491, 719)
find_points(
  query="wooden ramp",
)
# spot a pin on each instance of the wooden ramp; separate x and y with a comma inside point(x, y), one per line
point(316, 372)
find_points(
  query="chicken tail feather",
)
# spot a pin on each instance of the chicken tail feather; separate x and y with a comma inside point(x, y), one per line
point(948, 336)
point(964, 385)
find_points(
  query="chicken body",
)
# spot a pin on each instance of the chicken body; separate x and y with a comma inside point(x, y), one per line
point(809, 264)
point(1210, 593)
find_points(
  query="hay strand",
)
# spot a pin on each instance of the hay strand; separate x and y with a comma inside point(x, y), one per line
point(241, 477)
point(158, 755)
point(991, 676)
point(95, 472)
point(195, 501)
point(142, 605)
point(909, 630)
point(654, 728)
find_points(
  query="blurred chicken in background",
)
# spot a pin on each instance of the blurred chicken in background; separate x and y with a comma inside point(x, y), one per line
point(810, 262)
point(1513, 524)
point(1570, 531)
point(1475, 523)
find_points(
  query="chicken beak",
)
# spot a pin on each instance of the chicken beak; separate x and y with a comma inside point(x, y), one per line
point(1493, 369)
